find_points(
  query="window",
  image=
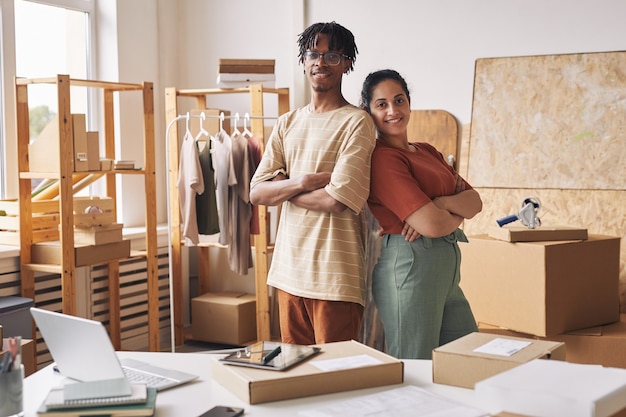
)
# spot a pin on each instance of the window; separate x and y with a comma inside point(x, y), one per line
point(51, 37)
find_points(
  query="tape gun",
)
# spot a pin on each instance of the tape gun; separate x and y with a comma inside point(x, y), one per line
point(527, 215)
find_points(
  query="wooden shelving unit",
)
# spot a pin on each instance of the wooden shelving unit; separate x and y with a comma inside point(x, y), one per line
point(67, 176)
point(261, 247)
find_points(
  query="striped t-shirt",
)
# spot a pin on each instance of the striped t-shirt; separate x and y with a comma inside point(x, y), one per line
point(318, 254)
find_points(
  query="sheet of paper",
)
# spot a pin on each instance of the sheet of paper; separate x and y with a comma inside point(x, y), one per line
point(406, 401)
point(345, 363)
point(502, 347)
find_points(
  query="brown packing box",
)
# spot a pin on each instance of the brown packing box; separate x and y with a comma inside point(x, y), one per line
point(542, 288)
point(101, 215)
point(457, 364)
point(226, 317)
point(93, 151)
point(79, 131)
point(50, 253)
point(259, 386)
point(601, 345)
point(524, 234)
point(28, 355)
point(246, 66)
point(98, 235)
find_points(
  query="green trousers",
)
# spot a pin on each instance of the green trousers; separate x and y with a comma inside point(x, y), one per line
point(415, 286)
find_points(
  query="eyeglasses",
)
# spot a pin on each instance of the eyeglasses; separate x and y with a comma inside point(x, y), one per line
point(330, 58)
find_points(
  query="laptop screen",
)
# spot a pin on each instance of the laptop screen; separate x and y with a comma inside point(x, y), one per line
point(80, 347)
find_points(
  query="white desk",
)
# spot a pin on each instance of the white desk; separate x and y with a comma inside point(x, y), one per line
point(195, 398)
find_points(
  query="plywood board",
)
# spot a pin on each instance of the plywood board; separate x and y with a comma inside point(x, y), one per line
point(437, 127)
point(553, 121)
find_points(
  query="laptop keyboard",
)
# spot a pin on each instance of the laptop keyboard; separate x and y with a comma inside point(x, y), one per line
point(151, 380)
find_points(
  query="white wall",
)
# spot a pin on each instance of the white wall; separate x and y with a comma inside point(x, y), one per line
point(433, 43)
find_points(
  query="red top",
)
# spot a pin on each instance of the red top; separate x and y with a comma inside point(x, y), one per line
point(403, 181)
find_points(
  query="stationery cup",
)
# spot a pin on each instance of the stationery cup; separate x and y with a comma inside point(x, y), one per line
point(11, 392)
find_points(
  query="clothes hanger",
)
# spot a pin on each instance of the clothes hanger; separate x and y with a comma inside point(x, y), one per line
point(236, 131)
point(187, 129)
point(203, 131)
point(221, 121)
point(246, 119)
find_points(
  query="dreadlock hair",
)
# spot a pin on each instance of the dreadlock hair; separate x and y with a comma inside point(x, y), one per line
point(340, 39)
point(375, 78)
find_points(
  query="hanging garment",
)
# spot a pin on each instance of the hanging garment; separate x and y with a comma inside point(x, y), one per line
point(190, 183)
point(224, 177)
point(240, 209)
point(206, 203)
point(254, 147)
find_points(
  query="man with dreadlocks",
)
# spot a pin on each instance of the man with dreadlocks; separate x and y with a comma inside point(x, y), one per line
point(317, 165)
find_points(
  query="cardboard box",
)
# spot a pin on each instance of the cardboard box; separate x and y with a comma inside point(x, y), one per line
point(542, 288)
point(555, 389)
point(456, 363)
point(98, 235)
point(93, 211)
point(50, 253)
point(601, 345)
point(226, 317)
point(28, 355)
point(524, 234)
point(93, 151)
point(79, 129)
point(249, 66)
point(256, 386)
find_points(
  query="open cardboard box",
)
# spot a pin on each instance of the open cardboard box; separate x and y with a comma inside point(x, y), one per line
point(306, 379)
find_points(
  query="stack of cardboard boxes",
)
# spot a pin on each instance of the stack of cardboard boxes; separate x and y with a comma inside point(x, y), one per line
point(540, 294)
point(97, 238)
point(551, 289)
point(242, 73)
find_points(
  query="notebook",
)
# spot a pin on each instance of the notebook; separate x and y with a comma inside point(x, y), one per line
point(83, 351)
point(144, 409)
point(56, 399)
point(272, 356)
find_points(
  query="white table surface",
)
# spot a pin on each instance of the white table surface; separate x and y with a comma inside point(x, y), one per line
point(195, 398)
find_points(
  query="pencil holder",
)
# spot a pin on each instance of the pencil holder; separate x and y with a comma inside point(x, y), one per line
point(11, 392)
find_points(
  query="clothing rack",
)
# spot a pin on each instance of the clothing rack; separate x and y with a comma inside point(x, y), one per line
point(262, 249)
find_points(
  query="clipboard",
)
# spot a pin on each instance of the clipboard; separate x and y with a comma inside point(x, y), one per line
point(274, 356)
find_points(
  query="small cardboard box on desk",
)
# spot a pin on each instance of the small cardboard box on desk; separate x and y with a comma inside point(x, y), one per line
point(478, 356)
point(352, 366)
point(542, 288)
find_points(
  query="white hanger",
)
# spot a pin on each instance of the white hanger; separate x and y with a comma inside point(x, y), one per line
point(221, 121)
point(246, 119)
point(188, 131)
point(203, 131)
point(236, 131)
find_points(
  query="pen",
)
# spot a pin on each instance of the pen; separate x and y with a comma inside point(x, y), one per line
point(267, 358)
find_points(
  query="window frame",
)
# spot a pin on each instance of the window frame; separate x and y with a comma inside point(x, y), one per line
point(8, 141)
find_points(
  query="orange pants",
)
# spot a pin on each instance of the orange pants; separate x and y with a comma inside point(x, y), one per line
point(307, 321)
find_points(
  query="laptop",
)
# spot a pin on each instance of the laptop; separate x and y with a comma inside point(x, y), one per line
point(82, 351)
